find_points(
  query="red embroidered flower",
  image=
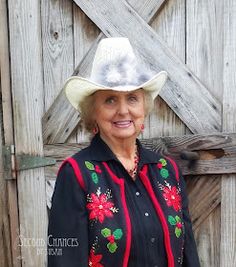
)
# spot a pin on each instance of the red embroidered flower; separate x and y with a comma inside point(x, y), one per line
point(100, 207)
point(172, 197)
point(159, 165)
point(94, 260)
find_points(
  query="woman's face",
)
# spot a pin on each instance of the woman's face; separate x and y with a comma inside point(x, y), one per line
point(119, 115)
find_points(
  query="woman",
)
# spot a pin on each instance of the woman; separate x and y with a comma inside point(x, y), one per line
point(116, 203)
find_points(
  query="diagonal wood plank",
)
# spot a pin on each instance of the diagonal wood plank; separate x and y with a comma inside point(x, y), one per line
point(183, 91)
point(61, 119)
point(204, 196)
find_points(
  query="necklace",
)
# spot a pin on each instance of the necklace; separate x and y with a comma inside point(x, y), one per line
point(132, 172)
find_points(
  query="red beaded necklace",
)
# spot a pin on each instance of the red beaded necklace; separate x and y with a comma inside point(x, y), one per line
point(132, 172)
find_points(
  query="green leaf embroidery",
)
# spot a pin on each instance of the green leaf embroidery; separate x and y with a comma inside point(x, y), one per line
point(171, 220)
point(118, 233)
point(106, 232)
point(178, 232)
point(94, 177)
point(177, 218)
point(163, 161)
point(164, 173)
point(89, 165)
point(112, 247)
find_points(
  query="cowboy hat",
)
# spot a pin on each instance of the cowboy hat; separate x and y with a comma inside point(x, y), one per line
point(115, 67)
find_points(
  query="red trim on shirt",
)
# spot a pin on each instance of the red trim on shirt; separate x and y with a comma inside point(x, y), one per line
point(120, 182)
point(77, 171)
point(175, 168)
point(147, 184)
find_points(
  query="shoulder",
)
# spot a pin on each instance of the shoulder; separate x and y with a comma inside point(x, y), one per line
point(74, 166)
point(165, 164)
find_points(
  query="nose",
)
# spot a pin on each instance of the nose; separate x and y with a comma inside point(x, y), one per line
point(123, 108)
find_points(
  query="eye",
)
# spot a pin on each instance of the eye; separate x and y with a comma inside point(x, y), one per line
point(110, 100)
point(133, 98)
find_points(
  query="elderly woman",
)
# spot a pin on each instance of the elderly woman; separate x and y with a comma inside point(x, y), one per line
point(116, 203)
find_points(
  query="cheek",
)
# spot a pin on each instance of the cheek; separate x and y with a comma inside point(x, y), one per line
point(139, 112)
point(102, 115)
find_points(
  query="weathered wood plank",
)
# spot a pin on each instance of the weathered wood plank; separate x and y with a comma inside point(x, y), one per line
point(5, 235)
point(8, 191)
point(27, 94)
point(217, 152)
point(228, 203)
point(61, 119)
point(57, 40)
point(58, 44)
point(85, 33)
point(207, 243)
point(151, 48)
point(204, 48)
point(170, 26)
point(204, 196)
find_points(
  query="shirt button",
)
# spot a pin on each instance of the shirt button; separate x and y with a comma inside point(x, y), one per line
point(146, 214)
point(137, 194)
point(153, 239)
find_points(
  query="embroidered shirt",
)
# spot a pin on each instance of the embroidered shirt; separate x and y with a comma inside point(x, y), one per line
point(86, 208)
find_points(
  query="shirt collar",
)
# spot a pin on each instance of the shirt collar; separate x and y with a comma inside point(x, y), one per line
point(100, 151)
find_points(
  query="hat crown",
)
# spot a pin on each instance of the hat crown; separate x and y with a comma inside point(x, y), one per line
point(116, 65)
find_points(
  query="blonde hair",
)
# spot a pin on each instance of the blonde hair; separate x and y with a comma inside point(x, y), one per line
point(87, 110)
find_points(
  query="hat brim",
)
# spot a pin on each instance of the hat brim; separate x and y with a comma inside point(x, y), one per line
point(77, 88)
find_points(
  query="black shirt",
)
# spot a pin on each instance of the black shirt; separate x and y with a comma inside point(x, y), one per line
point(69, 217)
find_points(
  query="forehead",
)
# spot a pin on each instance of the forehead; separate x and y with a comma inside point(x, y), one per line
point(105, 93)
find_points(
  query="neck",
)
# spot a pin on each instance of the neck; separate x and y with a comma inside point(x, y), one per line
point(122, 148)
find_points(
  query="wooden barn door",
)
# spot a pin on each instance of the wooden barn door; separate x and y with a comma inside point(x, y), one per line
point(49, 38)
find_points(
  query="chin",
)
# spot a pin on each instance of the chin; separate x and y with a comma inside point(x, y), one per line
point(125, 134)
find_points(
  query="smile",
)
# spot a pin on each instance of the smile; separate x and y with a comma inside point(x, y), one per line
point(122, 124)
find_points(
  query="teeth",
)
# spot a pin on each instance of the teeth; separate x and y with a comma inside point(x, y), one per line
point(122, 122)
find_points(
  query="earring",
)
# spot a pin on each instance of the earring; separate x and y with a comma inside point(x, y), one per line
point(142, 127)
point(95, 130)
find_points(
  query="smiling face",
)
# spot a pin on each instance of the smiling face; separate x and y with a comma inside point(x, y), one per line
point(119, 115)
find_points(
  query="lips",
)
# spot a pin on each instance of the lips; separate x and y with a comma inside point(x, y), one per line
point(123, 123)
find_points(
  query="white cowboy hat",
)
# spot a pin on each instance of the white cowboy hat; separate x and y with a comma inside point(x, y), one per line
point(115, 67)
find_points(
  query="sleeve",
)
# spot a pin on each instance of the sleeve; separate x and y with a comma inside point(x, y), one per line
point(67, 243)
point(190, 255)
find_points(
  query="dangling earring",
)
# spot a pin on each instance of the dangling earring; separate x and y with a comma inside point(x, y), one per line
point(95, 130)
point(142, 127)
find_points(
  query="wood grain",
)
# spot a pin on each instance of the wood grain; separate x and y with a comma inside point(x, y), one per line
point(27, 97)
point(206, 238)
point(228, 203)
point(217, 152)
point(153, 50)
point(85, 34)
point(5, 234)
point(204, 48)
point(9, 208)
point(170, 26)
point(57, 40)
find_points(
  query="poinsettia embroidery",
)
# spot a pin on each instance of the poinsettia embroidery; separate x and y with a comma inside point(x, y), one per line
point(176, 221)
point(117, 234)
point(100, 206)
point(94, 171)
point(172, 197)
point(161, 166)
point(94, 260)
